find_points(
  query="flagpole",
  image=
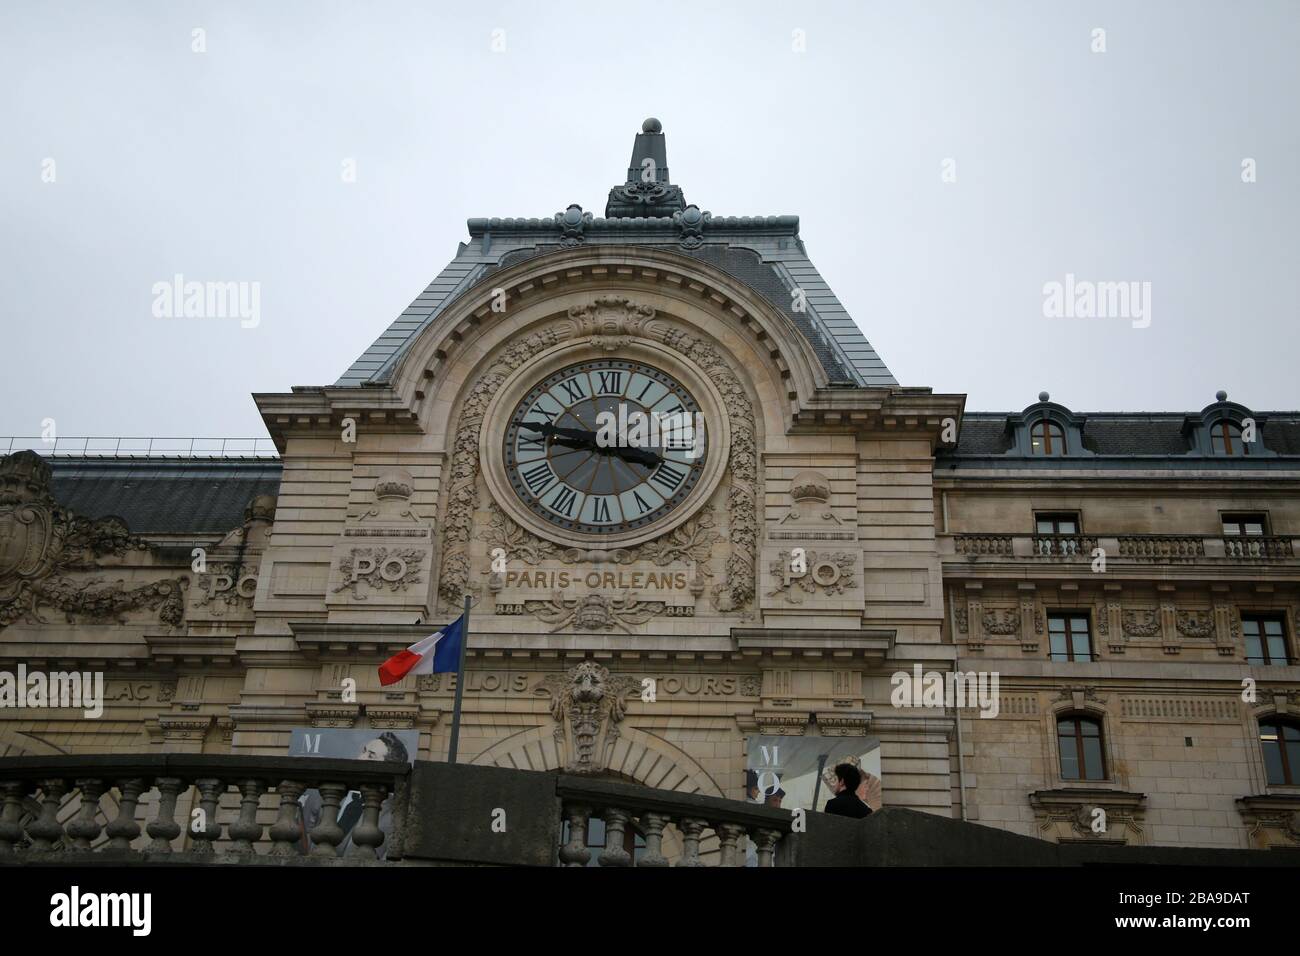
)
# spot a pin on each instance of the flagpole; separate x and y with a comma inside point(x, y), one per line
point(460, 685)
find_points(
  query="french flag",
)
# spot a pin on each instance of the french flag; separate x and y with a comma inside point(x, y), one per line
point(439, 653)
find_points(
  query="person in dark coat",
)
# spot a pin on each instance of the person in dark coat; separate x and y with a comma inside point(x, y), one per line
point(845, 803)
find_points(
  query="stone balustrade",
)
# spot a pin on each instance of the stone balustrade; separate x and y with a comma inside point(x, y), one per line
point(982, 544)
point(1247, 547)
point(1064, 545)
point(1161, 547)
point(621, 806)
point(34, 822)
point(1137, 549)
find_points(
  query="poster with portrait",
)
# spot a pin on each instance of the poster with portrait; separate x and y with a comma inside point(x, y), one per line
point(364, 744)
point(790, 772)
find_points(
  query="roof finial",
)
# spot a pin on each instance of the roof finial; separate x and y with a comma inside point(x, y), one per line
point(1044, 397)
point(1221, 395)
point(647, 191)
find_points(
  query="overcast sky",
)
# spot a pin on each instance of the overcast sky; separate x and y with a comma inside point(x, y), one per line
point(227, 165)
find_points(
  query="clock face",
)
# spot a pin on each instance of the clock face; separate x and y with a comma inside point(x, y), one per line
point(605, 446)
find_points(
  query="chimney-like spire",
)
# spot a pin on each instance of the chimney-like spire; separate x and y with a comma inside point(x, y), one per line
point(647, 191)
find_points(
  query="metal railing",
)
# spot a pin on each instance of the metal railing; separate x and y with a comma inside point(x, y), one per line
point(143, 447)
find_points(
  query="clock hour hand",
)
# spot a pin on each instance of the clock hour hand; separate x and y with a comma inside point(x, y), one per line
point(637, 456)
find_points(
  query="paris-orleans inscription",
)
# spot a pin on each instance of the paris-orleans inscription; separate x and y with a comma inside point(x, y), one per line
point(540, 578)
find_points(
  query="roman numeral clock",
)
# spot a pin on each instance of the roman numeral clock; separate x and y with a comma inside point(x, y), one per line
point(605, 448)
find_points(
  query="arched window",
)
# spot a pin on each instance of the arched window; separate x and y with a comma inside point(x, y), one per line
point(1046, 438)
point(1225, 439)
point(1079, 739)
point(1279, 738)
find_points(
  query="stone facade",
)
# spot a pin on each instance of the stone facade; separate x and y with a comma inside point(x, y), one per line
point(842, 532)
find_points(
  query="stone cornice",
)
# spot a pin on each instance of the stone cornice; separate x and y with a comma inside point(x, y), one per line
point(873, 644)
point(1063, 797)
point(320, 411)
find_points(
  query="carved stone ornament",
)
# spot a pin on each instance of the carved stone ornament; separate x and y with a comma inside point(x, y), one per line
point(573, 224)
point(751, 685)
point(226, 586)
point(594, 612)
point(1001, 621)
point(393, 569)
point(41, 542)
point(1146, 626)
point(608, 317)
point(644, 199)
point(1101, 816)
point(1196, 624)
point(588, 705)
point(690, 226)
point(959, 618)
point(830, 572)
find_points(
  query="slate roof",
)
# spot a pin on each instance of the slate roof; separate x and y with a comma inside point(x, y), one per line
point(765, 253)
point(1120, 434)
point(157, 496)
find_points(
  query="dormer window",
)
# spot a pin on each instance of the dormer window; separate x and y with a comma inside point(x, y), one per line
point(1046, 438)
point(1046, 430)
point(1225, 439)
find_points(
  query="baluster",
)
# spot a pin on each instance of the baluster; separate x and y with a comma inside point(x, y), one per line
point(11, 832)
point(210, 791)
point(124, 829)
point(46, 830)
point(614, 853)
point(366, 835)
point(164, 827)
point(284, 832)
point(246, 830)
point(765, 840)
point(85, 828)
point(691, 829)
point(729, 835)
point(653, 824)
point(575, 852)
point(327, 834)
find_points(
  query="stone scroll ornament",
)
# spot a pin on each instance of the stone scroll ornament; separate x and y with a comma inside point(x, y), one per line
point(41, 542)
point(605, 321)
